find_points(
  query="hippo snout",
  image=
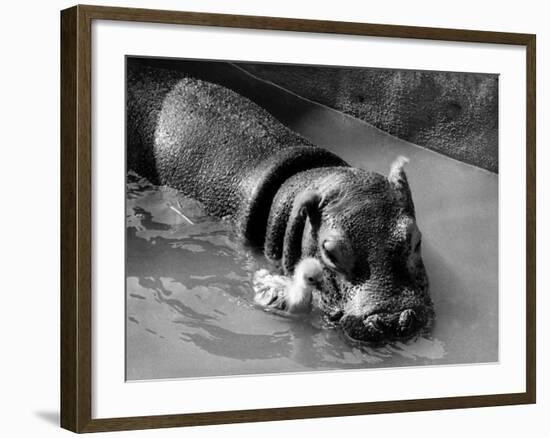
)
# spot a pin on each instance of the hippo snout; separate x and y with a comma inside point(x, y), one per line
point(383, 326)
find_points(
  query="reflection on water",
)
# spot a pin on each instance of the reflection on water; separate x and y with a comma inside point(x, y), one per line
point(190, 311)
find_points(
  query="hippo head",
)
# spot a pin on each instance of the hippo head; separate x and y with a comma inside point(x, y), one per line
point(362, 226)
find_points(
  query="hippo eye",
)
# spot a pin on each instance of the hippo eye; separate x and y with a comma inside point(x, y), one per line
point(339, 257)
point(310, 279)
point(330, 251)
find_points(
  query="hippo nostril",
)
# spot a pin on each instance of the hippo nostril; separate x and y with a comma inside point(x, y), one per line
point(335, 315)
point(381, 327)
point(407, 320)
point(374, 323)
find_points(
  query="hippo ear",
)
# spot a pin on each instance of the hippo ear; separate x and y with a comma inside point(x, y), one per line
point(400, 184)
point(309, 203)
point(306, 205)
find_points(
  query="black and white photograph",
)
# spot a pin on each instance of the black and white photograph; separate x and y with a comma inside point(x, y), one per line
point(285, 218)
point(275, 219)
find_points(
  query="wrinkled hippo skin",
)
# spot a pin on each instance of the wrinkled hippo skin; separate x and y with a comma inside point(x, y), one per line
point(453, 113)
point(287, 198)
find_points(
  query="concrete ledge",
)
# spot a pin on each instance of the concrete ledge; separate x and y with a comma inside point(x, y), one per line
point(455, 114)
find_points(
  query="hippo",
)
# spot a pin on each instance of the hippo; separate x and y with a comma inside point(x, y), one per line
point(287, 198)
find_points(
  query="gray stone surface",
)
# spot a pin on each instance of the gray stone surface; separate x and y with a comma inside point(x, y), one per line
point(453, 113)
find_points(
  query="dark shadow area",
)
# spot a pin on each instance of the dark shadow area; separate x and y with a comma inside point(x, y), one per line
point(51, 417)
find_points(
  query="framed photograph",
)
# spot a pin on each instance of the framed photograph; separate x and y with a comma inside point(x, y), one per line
point(268, 218)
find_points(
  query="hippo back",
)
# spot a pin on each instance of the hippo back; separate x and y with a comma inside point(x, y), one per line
point(213, 145)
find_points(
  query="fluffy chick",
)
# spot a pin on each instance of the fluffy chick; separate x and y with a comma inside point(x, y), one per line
point(291, 295)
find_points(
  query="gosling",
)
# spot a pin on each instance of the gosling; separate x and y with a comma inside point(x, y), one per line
point(290, 295)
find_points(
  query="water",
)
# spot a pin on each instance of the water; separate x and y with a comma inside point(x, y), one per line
point(190, 311)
